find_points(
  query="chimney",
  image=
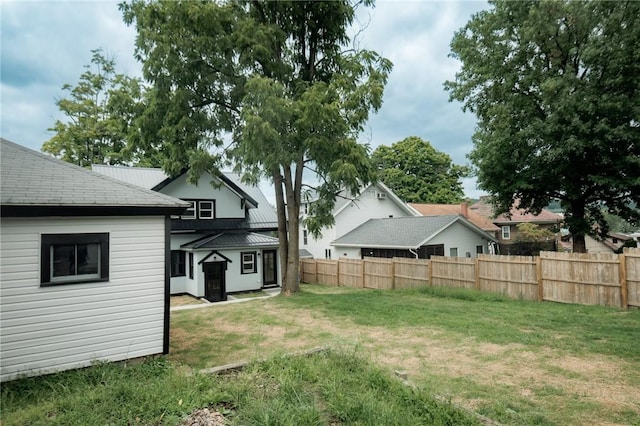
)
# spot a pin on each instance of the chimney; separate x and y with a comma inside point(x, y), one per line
point(464, 209)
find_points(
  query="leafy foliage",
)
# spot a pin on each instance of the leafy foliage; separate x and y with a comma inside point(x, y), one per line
point(531, 232)
point(418, 173)
point(556, 89)
point(100, 109)
point(270, 87)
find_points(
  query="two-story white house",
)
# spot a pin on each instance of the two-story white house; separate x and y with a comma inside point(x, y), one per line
point(224, 243)
point(376, 201)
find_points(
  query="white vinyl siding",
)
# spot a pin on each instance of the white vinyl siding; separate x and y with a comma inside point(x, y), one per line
point(46, 329)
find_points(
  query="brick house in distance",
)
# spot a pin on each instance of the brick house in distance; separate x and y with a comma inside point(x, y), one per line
point(508, 224)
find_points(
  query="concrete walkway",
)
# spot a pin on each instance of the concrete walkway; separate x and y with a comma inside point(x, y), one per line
point(270, 293)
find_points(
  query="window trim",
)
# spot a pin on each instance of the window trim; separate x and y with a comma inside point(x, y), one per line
point(191, 209)
point(244, 270)
point(212, 210)
point(507, 235)
point(181, 261)
point(47, 241)
point(190, 265)
point(305, 237)
point(453, 251)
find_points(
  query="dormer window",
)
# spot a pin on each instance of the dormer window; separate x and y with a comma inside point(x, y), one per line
point(206, 210)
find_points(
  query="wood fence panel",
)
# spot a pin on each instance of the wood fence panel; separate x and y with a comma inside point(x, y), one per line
point(632, 259)
point(378, 273)
point(326, 271)
point(410, 273)
point(453, 272)
point(511, 276)
point(582, 278)
point(350, 273)
point(308, 271)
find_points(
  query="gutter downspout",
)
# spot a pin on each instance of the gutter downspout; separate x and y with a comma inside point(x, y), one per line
point(413, 252)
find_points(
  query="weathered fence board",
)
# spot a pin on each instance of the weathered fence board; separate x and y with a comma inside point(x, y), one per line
point(378, 273)
point(631, 257)
point(327, 271)
point(582, 278)
point(410, 273)
point(512, 276)
point(453, 271)
point(350, 273)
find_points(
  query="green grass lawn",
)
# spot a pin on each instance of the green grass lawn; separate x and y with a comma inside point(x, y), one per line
point(515, 362)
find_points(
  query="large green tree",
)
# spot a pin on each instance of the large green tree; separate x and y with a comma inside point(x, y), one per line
point(274, 87)
point(418, 173)
point(556, 89)
point(100, 111)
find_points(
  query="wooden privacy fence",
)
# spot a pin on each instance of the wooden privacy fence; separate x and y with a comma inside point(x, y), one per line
point(587, 279)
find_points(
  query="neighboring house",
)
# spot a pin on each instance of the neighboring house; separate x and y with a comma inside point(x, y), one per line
point(508, 233)
point(222, 243)
point(613, 243)
point(83, 273)
point(461, 209)
point(375, 201)
point(414, 237)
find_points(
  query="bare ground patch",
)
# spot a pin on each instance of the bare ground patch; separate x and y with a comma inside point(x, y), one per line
point(544, 376)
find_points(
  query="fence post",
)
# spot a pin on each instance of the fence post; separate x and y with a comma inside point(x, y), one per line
point(338, 273)
point(362, 272)
point(624, 288)
point(539, 278)
point(430, 277)
point(393, 273)
point(315, 271)
point(476, 271)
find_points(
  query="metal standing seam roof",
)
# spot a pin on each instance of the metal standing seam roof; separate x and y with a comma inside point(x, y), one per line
point(401, 232)
point(232, 240)
point(29, 178)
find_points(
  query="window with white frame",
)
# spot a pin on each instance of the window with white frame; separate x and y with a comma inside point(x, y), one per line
point(74, 258)
point(190, 212)
point(506, 232)
point(206, 210)
point(248, 263)
point(305, 237)
point(453, 251)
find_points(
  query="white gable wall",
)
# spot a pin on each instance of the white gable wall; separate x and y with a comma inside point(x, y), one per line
point(46, 329)
point(461, 237)
point(357, 212)
point(227, 201)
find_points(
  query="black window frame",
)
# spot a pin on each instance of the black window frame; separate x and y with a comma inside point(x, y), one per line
point(50, 240)
point(243, 269)
point(190, 265)
point(479, 249)
point(178, 263)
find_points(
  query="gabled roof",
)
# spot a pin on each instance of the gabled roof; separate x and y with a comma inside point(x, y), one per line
point(402, 232)
point(344, 201)
point(452, 209)
point(232, 240)
point(30, 179)
point(484, 208)
point(262, 215)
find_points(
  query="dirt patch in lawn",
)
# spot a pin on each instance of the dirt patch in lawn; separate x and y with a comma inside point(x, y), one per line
point(541, 375)
point(184, 300)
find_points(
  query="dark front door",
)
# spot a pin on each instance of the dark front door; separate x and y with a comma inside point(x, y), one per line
point(214, 283)
point(269, 268)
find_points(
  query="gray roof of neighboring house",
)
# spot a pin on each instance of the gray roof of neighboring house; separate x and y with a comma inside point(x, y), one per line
point(401, 232)
point(29, 178)
point(232, 240)
point(305, 254)
point(263, 215)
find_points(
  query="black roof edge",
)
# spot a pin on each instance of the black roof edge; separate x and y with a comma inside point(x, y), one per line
point(41, 211)
point(219, 175)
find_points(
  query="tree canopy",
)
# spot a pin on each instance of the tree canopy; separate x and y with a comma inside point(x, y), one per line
point(100, 111)
point(271, 87)
point(555, 86)
point(418, 173)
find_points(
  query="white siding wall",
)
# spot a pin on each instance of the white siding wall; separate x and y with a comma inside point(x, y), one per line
point(45, 329)
point(181, 285)
point(227, 202)
point(357, 212)
point(462, 238)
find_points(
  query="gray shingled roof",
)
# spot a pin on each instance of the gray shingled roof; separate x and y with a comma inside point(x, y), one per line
point(262, 216)
point(232, 240)
point(401, 232)
point(29, 178)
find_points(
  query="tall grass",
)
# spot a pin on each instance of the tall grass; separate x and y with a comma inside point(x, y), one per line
point(322, 389)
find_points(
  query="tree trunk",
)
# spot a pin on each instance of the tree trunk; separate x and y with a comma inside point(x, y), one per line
point(283, 243)
point(291, 285)
point(578, 226)
point(579, 244)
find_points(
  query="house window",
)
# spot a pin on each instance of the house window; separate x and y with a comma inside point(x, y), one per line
point(479, 250)
point(327, 253)
point(506, 232)
point(248, 264)
point(453, 251)
point(206, 210)
point(305, 238)
point(190, 212)
point(74, 258)
point(177, 263)
point(190, 266)
point(306, 208)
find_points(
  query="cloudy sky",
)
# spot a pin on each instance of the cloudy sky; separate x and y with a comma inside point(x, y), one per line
point(45, 44)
